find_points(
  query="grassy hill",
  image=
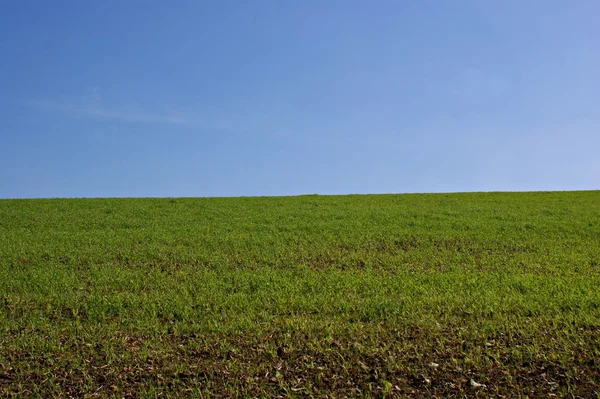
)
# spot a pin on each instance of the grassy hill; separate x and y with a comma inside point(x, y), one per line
point(363, 295)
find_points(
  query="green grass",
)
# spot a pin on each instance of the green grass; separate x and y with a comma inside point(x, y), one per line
point(368, 296)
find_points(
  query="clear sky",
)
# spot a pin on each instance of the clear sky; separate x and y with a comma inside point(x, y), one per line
point(226, 98)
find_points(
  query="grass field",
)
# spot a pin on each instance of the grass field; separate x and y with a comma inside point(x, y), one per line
point(447, 295)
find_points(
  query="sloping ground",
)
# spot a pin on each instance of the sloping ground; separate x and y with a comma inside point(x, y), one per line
point(437, 295)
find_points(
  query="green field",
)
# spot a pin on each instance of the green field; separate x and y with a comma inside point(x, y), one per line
point(362, 296)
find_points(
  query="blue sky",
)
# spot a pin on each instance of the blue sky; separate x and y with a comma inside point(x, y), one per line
point(227, 98)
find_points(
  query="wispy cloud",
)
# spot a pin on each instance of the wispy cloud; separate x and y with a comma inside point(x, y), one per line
point(99, 111)
point(93, 105)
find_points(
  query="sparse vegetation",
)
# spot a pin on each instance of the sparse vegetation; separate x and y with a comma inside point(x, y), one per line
point(437, 295)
